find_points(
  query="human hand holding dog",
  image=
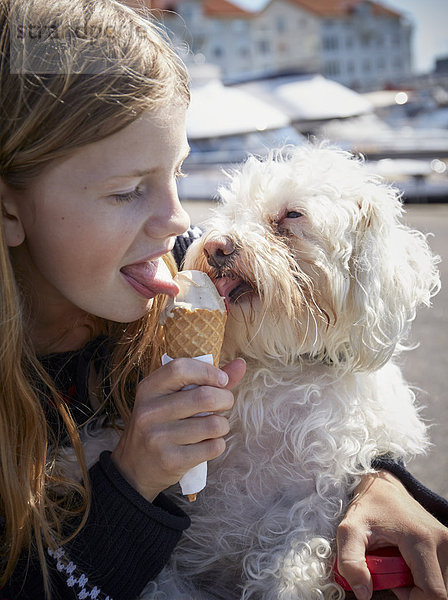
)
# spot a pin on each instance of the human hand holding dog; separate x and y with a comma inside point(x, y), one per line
point(160, 442)
point(385, 514)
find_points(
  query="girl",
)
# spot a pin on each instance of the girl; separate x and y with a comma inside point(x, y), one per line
point(93, 103)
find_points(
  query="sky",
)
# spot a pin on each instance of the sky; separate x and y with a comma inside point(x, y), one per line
point(430, 18)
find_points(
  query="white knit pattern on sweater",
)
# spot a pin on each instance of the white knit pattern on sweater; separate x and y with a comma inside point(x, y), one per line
point(75, 578)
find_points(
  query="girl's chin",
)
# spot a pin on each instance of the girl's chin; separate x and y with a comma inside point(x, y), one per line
point(129, 316)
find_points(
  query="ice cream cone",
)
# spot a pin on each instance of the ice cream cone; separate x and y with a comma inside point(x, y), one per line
point(193, 333)
point(193, 326)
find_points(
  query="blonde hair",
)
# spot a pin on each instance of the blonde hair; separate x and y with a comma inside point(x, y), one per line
point(90, 68)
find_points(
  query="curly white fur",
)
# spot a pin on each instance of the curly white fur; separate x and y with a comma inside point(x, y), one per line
point(324, 281)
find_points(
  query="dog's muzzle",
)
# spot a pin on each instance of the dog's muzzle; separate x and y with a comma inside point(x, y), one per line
point(222, 254)
point(219, 251)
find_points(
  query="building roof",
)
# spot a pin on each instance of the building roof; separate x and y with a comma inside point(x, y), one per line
point(224, 8)
point(229, 9)
point(340, 8)
point(321, 8)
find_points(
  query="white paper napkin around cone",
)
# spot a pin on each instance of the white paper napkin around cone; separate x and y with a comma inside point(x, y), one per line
point(195, 479)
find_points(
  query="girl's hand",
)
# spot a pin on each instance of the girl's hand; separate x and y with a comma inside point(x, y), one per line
point(385, 514)
point(161, 443)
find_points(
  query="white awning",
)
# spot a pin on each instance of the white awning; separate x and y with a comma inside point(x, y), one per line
point(217, 110)
point(308, 97)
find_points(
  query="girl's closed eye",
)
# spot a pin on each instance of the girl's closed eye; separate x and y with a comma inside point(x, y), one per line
point(134, 194)
point(140, 190)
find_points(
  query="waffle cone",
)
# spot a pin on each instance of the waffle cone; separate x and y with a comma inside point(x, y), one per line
point(191, 333)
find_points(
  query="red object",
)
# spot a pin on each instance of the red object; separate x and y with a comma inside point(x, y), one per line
point(387, 568)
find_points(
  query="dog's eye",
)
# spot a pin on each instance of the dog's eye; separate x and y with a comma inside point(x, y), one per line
point(293, 214)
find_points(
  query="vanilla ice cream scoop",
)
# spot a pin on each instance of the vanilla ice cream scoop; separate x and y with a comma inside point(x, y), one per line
point(196, 290)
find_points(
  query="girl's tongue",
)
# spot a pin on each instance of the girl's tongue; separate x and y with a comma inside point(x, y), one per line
point(151, 278)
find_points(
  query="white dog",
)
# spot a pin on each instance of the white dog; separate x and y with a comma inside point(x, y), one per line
point(323, 282)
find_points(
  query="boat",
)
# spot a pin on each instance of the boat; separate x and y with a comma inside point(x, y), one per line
point(226, 122)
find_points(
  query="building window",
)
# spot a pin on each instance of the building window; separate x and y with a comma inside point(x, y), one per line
point(366, 66)
point(332, 68)
point(240, 26)
point(396, 39)
point(365, 39)
point(350, 67)
point(330, 42)
point(218, 52)
point(349, 42)
point(263, 46)
point(281, 24)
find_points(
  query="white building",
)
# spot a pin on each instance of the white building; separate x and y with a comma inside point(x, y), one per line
point(367, 46)
point(359, 43)
point(280, 37)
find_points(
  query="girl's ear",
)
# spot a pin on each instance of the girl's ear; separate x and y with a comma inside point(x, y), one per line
point(12, 224)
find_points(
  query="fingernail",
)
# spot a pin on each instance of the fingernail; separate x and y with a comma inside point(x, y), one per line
point(361, 592)
point(223, 378)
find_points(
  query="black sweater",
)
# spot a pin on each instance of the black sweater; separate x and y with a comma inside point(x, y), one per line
point(126, 540)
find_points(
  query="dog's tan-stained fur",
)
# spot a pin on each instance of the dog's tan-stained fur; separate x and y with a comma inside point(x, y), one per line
point(323, 281)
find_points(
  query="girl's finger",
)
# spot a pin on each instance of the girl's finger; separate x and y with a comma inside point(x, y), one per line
point(195, 430)
point(177, 460)
point(351, 550)
point(426, 572)
point(235, 370)
point(182, 405)
point(179, 373)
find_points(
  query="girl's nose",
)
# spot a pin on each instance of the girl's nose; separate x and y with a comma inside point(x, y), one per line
point(183, 220)
point(171, 219)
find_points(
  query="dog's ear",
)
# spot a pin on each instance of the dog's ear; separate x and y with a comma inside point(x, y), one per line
point(393, 271)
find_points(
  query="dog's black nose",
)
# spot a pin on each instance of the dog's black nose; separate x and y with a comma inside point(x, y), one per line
point(218, 251)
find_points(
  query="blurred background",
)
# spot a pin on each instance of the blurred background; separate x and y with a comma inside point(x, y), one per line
point(372, 77)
